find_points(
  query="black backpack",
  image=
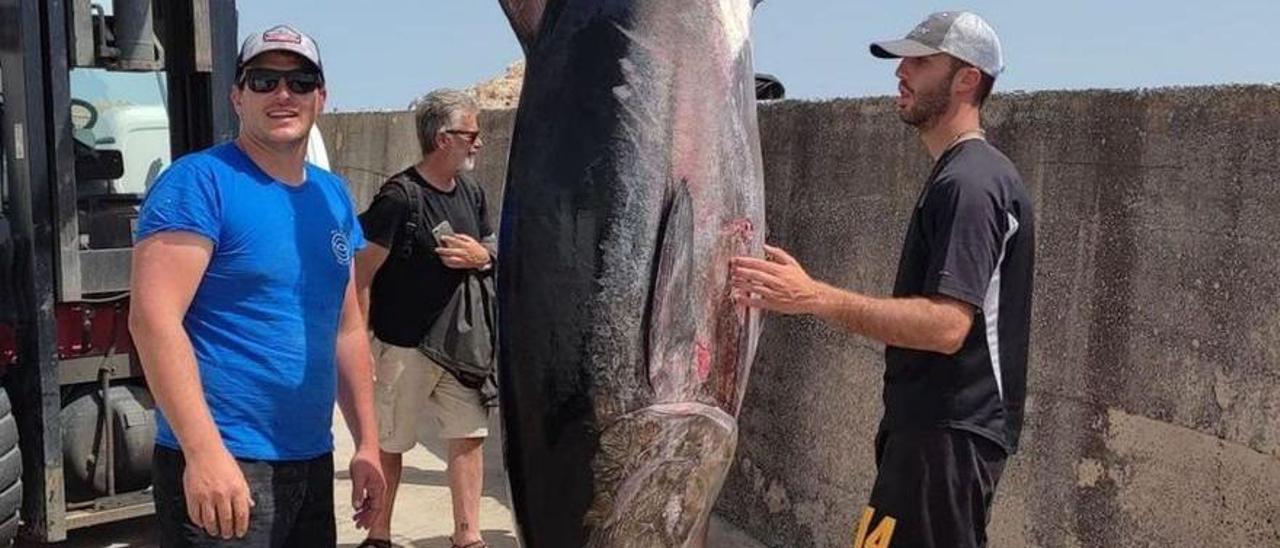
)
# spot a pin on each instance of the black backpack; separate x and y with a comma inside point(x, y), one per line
point(463, 338)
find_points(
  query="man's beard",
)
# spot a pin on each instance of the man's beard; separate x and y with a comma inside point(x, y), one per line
point(468, 164)
point(930, 105)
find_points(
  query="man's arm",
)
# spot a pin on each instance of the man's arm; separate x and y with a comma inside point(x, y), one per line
point(934, 323)
point(355, 399)
point(368, 261)
point(167, 269)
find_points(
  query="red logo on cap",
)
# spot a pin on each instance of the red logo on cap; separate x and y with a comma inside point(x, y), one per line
point(282, 34)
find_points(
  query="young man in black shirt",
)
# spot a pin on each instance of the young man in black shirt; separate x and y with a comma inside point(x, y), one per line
point(958, 324)
point(406, 277)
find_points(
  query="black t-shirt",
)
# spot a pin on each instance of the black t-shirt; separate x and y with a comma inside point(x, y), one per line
point(411, 289)
point(971, 238)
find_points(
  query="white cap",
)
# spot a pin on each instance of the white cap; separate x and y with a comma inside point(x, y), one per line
point(279, 38)
point(960, 34)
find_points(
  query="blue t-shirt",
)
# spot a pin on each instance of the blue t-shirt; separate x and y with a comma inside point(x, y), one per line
point(264, 320)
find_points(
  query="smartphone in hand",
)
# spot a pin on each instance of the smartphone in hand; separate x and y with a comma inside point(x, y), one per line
point(441, 230)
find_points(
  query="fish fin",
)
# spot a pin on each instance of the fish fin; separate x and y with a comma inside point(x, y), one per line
point(671, 325)
point(663, 464)
point(526, 18)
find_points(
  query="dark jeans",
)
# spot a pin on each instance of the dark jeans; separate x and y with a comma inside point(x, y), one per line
point(293, 503)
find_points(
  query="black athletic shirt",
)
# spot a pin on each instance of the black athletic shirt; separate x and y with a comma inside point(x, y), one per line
point(971, 238)
point(409, 291)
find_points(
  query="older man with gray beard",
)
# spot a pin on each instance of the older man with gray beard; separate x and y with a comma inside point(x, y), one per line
point(428, 231)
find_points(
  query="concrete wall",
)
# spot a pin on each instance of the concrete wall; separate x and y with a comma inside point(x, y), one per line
point(366, 148)
point(1154, 407)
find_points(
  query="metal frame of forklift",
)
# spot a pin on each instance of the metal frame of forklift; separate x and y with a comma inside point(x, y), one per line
point(40, 42)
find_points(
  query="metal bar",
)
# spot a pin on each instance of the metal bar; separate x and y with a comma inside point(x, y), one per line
point(199, 103)
point(101, 51)
point(202, 35)
point(108, 412)
point(4, 149)
point(108, 433)
point(225, 47)
point(33, 385)
point(187, 88)
point(83, 370)
point(62, 178)
point(144, 506)
point(82, 44)
point(71, 506)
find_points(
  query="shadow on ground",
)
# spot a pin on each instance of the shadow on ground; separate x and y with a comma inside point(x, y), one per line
point(414, 475)
point(495, 537)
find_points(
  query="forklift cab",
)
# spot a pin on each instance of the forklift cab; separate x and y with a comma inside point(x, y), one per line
point(120, 129)
point(96, 99)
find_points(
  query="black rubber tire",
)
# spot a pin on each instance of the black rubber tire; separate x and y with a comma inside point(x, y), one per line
point(9, 529)
point(10, 472)
point(84, 468)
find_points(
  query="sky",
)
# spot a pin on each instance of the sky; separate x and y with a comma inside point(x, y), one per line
point(381, 54)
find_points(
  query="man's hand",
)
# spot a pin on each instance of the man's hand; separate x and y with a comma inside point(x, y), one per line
point(367, 487)
point(777, 283)
point(462, 252)
point(217, 495)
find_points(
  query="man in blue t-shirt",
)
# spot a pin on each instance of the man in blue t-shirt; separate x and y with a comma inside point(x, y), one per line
point(245, 317)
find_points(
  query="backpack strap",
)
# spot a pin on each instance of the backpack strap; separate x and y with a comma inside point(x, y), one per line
point(417, 218)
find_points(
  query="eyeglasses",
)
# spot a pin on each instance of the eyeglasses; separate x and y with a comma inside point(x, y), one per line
point(470, 136)
point(301, 82)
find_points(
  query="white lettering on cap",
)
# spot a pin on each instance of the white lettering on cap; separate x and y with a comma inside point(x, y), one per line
point(282, 34)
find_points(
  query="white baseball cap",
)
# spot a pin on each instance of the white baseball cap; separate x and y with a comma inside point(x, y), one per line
point(960, 34)
point(279, 38)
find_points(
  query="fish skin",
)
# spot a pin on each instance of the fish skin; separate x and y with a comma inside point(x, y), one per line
point(634, 176)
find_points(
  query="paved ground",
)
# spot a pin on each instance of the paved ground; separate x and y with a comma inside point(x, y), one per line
point(422, 518)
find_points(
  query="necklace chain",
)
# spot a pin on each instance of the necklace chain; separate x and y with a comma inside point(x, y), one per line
point(965, 135)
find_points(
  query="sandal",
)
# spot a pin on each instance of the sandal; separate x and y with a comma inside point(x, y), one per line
point(375, 543)
point(476, 544)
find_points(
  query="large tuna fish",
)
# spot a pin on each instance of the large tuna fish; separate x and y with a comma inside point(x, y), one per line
point(634, 176)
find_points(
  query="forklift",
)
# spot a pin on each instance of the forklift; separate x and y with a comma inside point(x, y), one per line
point(95, 100)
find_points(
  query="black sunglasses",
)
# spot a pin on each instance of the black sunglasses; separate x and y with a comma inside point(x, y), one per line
point(301, 82)
point(470, 136)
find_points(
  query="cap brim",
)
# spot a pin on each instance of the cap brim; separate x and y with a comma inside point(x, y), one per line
point(286, 48)
point(893, 49)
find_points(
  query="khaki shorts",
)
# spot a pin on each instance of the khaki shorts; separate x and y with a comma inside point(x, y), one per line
point(412, 392)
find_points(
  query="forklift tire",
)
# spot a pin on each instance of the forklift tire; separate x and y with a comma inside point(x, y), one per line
point(84, 462)
point(10, 472)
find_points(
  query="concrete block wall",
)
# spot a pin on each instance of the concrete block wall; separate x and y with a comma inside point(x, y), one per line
point(1154, 407)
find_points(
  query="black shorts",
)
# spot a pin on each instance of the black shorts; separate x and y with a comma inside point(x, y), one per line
point(933, 489)
point(293, 504)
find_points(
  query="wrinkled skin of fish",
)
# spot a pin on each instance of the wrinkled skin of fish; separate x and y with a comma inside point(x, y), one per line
point(634, 176)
